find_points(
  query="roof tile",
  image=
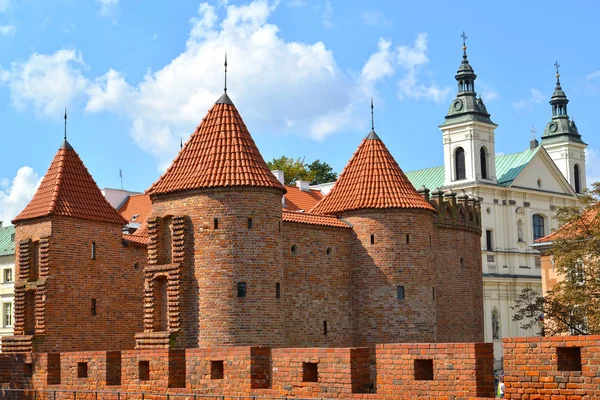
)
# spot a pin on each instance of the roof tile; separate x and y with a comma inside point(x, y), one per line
point(139, 204)
point(372, 179)
point(314, 219)
point(299, 200)
point(221, 152)
point(69, 190)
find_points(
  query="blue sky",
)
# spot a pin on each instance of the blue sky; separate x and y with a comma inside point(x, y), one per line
point(137, 76)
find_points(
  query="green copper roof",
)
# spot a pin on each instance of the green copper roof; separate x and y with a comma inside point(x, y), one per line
point(7, 242)
point(508, 167)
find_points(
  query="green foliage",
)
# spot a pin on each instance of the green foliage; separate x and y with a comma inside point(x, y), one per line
point(296, 169)
point(572, 306)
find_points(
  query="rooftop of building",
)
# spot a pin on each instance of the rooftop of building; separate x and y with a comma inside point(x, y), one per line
point(508, 167)
point(7, 240)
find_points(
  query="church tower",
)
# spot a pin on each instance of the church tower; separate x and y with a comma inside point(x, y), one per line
point(563, 142)
point(468, 132)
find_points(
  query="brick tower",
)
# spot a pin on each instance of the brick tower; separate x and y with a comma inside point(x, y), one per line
point(214, 256)
point(76, 286)
point(393, 275)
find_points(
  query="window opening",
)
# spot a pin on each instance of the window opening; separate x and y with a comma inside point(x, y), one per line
point(144, 370)
point(424, 370)
point(569, 358)
point(217, 370)
point(241, 289)
point(8, 275)
point(407, 238)
point(459, 164)
point(294, 249)
point(400, 292)
point(249, 223)
point(28, 370)
point(277, 290)
point(161, 311)
point(93, 250)
point(538, 227)
point(577, 182)
point(324, 327)
point(82, 370)
point(328, 251)
point(488, 240)
point(372, 239)
point(216, 223)
point(93, 308)
point(483, 161)
point(310, 372)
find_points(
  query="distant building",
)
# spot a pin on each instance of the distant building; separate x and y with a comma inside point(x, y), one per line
point(7, 279)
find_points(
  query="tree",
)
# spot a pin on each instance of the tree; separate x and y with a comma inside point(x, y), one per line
point(293, 169)
point(323, 172)
point(572, 306)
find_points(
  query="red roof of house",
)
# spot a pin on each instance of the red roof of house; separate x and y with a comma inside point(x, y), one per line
point(372, 179)
point(297, 199)
point(220, 153)
point(69, 190)
point(573, 229)
point(139, 204)
point(313, 219)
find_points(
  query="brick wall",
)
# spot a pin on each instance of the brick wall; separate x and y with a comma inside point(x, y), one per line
point(68, 279)
point(317, 286)
point(379, 268)
point(552, 368)
point(437, 370)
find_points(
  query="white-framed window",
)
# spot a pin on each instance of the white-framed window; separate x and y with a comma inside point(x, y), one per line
point(7, 315)
point(8, 275)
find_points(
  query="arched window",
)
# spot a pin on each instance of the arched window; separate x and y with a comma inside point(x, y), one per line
point(459, 164)
point(483, 161)
point(159, 292)
point(538, 227)
point(577, 181)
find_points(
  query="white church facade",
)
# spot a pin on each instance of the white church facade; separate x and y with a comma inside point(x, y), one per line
point(519, 194)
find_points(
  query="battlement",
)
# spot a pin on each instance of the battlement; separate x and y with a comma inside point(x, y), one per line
point(454, 210)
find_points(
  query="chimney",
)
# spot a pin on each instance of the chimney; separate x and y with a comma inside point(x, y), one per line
point(533, 144)
point(0, 224)
point(279, 175)
point(303, 185)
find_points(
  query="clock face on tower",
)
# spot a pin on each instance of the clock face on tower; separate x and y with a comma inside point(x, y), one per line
point(553, 127)
point(458, 105)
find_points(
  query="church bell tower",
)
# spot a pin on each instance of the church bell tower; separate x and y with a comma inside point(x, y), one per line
point(468, 132)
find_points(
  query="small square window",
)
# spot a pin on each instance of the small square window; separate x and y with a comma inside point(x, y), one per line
point(310, 372)
point(8, 275)
point(241, 289)
point(569, 358)
point(144, 370)
point(82, 370)
point(217, 370)
point(423, 370)
point(400, 292)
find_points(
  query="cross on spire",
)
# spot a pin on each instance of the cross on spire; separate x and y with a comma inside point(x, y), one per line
point(225, 72)
point(557, 65)
point(65, 123)
point(533, 132)
point(464, 38)
point(372, 116)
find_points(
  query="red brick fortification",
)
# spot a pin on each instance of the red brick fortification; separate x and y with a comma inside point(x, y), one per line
point(392, 248)
point(70, 298)
point(205, 243)
point(317, 289)
point(553, 368)
point(457, 260)
point(406, 371)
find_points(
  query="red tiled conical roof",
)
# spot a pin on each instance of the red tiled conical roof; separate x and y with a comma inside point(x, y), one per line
point(69, 190)
point(372, 179)
point(220, 153)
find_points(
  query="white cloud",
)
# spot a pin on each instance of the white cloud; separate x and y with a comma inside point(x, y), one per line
point(328, 15)
point(593, 75)
point(592, 164)
point(13, 199)
point(536, 97)
point(376, 19)
point(48, 83)
point(487, 93)
point(7, 30)
point(108, 7)
point(412, 59)
point(268, 78)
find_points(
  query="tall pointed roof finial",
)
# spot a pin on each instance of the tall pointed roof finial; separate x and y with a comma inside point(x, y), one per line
point(372, 116)
point(180, 143)
point(65, 123)
point(557, 65)
point(225, 72)
point(533, 132)
point(464, 38)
